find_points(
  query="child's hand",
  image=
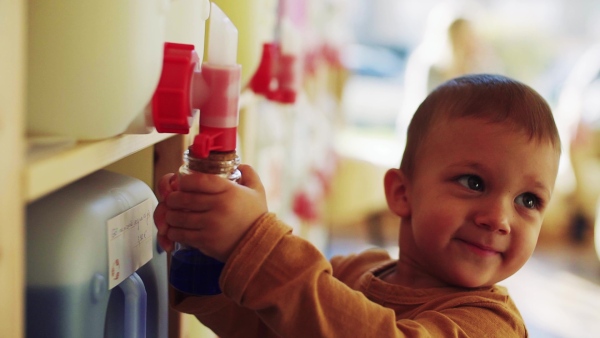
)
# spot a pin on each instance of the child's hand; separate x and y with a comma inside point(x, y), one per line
point(209, 212)
point(167, 184)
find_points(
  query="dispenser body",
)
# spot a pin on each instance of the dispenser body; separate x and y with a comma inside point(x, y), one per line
point(68, 271)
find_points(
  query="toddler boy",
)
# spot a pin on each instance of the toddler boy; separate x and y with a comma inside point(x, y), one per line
point(476, 176)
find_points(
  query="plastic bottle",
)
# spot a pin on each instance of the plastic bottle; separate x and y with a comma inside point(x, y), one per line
point(191, 271)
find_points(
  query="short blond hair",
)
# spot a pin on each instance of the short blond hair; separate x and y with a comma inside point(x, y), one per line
point(495, 98)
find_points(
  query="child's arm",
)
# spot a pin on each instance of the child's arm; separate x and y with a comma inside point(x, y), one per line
point(271, 274)
point(272, 277)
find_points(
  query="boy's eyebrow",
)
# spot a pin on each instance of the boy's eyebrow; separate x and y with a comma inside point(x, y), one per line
point(539, 185)
point(469, 164)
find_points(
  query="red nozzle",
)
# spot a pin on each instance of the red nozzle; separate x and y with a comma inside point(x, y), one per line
point(213, 139)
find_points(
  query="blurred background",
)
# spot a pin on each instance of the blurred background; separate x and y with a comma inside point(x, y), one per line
point(367, 65)
point(399, 50)
point(381, 59)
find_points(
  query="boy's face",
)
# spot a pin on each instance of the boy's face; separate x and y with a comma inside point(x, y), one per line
point(475, 203)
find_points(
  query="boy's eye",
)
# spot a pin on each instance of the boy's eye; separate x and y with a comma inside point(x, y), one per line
point(472, 182)
point(528, 200)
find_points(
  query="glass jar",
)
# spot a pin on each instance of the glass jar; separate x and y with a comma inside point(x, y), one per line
point(191, 271)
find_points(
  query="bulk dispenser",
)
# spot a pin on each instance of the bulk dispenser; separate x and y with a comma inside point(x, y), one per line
point(94, 268)
point(92, 66)
point(75, 286)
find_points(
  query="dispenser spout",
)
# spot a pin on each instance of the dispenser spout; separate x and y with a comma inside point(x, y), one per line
point(223, 39)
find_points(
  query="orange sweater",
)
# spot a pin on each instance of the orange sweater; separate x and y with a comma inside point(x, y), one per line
point(278, 285)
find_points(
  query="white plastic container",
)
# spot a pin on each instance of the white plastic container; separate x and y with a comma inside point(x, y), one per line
point(68, 253)
point(92, 65)
point(253, 19)
point(186, 23)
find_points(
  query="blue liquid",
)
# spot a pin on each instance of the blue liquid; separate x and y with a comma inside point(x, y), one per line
point(194, 273)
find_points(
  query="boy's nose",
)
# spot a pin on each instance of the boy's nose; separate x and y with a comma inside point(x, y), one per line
point(495, 215)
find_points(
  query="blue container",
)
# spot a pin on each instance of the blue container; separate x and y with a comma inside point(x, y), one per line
point(67, 265)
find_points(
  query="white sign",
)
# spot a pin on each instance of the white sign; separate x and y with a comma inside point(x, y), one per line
point(129, 242)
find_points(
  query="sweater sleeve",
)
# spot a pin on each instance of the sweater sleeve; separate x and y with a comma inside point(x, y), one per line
point(289, 284)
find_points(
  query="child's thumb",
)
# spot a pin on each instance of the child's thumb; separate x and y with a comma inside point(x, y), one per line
point(250, 178)
point(166, 185)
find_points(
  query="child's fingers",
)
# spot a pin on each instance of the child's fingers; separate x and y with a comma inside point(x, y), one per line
point(160, 218)
point(166, 185)
point(187, 220)
point(165, 243)
point(189, 201)
point(213, 184)
point(203, 183)
point(162, 227)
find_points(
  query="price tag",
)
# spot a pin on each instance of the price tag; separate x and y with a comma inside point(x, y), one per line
point(129, 242)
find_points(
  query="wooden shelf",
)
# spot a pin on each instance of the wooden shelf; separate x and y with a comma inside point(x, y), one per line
point(48, 173)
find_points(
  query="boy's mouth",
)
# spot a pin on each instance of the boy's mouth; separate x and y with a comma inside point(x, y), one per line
point(479, 249)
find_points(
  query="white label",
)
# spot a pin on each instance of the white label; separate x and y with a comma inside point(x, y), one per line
point(129, 242)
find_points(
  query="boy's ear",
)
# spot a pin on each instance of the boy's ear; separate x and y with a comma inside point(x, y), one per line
point(396, 192)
